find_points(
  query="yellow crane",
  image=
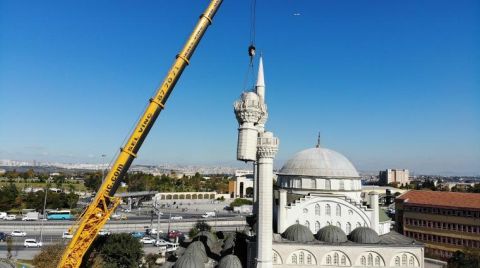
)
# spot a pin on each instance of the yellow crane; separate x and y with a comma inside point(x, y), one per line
point(99, 210)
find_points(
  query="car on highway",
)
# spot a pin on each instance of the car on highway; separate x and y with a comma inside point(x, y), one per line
point(174, 234)
point(104, 232)
point(31, 243)
point(11, 217)
point(137, 234)
point(17, 233)
point(67, 235)
point(147, 240)
point(152, 231)
point(176, 218)
point(161, 242)
point(118, 217)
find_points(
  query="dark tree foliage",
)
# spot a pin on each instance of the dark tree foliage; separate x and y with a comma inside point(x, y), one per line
point(93, 181)
point(49, 256)
point(8, 197)
point(115, 251)
point(465, 259)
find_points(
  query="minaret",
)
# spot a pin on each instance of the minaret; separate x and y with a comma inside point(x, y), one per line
point(248, 112)
point(267, 148)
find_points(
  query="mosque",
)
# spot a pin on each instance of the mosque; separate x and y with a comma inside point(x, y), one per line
point(313, 216)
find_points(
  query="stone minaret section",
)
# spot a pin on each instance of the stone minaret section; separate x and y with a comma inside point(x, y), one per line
point(248, 112)
point(267, 148)
point(374, 205)
point(282, 211)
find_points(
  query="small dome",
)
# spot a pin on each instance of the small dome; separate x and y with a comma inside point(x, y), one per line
point(198, 249)
point(250, 96)
point(331, 234)
point(189, 260)
point(319, 162)
point(298, 233)
point(230, 261)
point(364, 235)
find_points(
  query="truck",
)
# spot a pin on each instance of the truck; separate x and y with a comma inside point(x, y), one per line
point(3, 215)
point(31, 216)
point(209, 214)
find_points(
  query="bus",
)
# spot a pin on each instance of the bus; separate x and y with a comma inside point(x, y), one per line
point(59, 215)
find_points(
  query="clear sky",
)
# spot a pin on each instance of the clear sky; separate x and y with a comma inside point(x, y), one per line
point(388, 83)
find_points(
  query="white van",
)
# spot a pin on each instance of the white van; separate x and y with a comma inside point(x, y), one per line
point(3, 215)
point(209, 214)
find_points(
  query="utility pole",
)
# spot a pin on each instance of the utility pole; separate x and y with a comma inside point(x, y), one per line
point(103, 168)
point(44, 214)
point(156, 207)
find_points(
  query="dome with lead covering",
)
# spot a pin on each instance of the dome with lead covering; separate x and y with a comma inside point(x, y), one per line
point(230, 261)
point(298, 233)
point(189, 260)
point(364, 235)
point(319, 162)
point(198, 249)
point(331, 234)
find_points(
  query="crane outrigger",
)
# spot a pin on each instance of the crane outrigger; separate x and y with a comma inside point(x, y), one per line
point(99, 210)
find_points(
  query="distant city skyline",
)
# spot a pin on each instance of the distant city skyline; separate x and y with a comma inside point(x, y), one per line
point(389, 85)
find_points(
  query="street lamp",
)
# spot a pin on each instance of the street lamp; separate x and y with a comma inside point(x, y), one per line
point(102, 166)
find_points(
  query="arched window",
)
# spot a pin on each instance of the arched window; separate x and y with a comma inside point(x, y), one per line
point(349, 228)
point(317, 226)
point(305, 210)
point(328, 185)
point(359, 224)
point(329, 223)
point(377, 261)
point(329, 259)
point(404, 259)
point(294, 258)
point(411, 262)
point(335, 259)
point(328, 210)
point(317, 209)
point(338, 211)
point(307, 224)
point(301, 257)
point(275, 258)
point(309, 259)
point(342, 185)
point(397, 261)
point(343, 260)
point(339, 225)
point(363, 260)
point(370, 259)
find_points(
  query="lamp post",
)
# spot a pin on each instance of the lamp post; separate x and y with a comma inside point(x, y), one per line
point(102, 165)
point(44, 214)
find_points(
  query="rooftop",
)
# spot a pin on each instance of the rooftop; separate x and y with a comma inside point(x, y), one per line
point(442, 199)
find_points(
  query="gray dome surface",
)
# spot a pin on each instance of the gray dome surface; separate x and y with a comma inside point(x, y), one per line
point(207, 237)
point(364, 235)
point(189, 260)
point(319, 162)
point(198, 249)
point(298, 233)
point(331, 234)
point(230, 261)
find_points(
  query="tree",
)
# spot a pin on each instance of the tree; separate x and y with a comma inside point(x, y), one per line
point(200, 226)
point(49, 256)
point(93, 181)
point(116, 250)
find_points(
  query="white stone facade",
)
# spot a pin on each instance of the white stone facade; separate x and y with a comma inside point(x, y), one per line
point(318, 255)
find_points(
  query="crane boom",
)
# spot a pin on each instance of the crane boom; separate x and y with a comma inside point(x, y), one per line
point(99, 210)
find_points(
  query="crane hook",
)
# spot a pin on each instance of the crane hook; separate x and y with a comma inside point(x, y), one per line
point(251, 52)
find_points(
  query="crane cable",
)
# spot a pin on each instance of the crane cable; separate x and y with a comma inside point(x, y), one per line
point(251, 47)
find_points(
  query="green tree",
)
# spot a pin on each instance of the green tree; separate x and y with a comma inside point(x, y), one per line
point(117, 250)
point(93, 181)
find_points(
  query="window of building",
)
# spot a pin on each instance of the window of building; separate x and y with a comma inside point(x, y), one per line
point(329, 259)
point(370, 259)
point(338, 210)
point(359, 224)
point(294, 258)
point(301, 258)
point(305, 210)
point(309, 259)
point(317, 226)
point(349, 228)
point(377, 261)
point(397, 261)
point(328, 210)
point(307, 224)
point(363, 261)
point(343, 260)
point(317, 209)
point(328, 185)
point(275, 257)
point(336, 259)
point(339, 225)
point(404, 259)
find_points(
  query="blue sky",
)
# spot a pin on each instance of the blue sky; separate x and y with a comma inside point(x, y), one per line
point(388, 83)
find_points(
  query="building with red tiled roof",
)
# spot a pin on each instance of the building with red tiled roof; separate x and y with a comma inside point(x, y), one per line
point(444, 221)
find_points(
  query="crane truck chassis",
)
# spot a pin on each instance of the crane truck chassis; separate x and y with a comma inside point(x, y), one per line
point(99, 210)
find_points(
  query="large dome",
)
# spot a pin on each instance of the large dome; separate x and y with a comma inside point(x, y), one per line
point(319, 162)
